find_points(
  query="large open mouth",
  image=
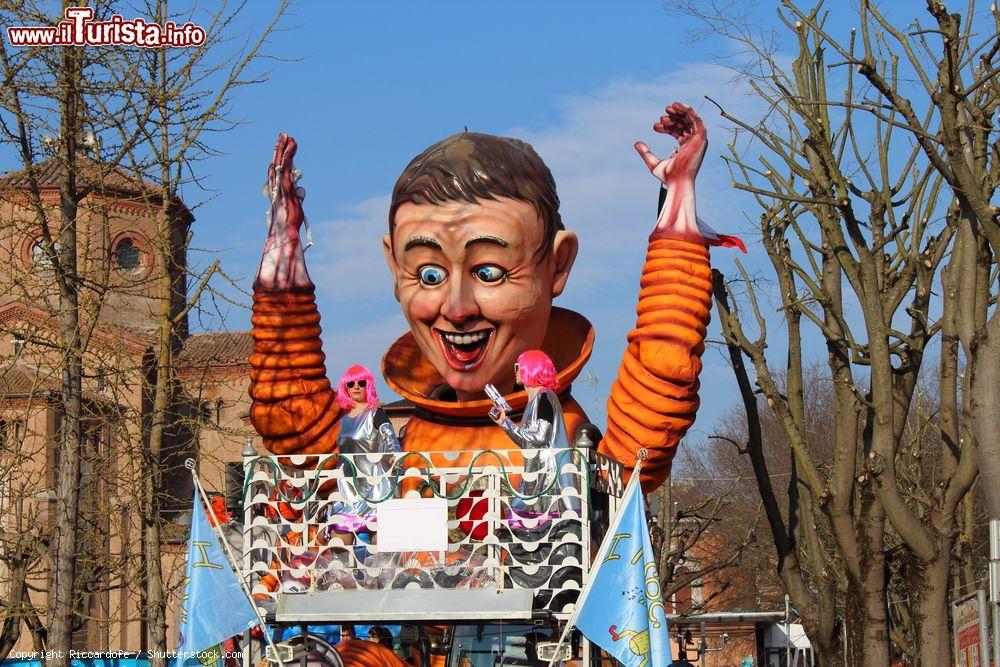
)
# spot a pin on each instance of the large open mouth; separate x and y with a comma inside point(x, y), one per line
point(464, 351)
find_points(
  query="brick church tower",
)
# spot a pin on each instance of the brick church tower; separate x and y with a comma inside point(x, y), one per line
point(121, 287)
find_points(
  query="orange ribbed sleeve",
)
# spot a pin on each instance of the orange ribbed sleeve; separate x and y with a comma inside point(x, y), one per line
point(655, 397)
point(294, 408)
point(361, 653)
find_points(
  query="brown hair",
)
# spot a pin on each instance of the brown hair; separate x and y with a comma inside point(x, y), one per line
point(470, 166)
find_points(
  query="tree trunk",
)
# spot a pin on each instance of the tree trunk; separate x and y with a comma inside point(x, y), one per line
point(985, 369)
point(163, 388)
point(854, 618)
point(11, 630)
point(875, 633)
point(866, 617)
point(63, 589)
point(62, 594)
point(155, 599)
point(875, 627)
point(825, 645)
point(933, 639)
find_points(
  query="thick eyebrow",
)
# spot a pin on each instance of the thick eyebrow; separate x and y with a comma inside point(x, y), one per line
point(417, 241)
point(487, 238)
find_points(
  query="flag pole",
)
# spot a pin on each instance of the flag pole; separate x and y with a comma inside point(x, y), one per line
point(190, 465)
point(641, 457)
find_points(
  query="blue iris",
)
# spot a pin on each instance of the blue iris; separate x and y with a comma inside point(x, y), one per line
point(489, 273)
point(432, 275)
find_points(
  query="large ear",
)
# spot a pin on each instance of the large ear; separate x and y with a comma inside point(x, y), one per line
point(390, 259)
point(564, 249)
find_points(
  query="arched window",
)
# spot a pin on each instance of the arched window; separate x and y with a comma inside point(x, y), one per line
point(219, 404)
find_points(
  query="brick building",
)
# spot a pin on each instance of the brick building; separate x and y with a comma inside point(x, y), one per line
point(121, 283)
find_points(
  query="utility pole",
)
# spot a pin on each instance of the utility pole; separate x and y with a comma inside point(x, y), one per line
point(593, 380)
point(788, 632)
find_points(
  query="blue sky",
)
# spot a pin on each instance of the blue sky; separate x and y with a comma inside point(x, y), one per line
point(365, 86)
point(375, 83)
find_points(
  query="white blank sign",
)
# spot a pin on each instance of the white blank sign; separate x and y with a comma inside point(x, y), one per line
point(412, 524)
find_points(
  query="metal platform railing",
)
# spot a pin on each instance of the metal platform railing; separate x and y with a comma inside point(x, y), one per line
point(516, 532)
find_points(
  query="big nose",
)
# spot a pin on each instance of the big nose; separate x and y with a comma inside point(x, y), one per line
point(460, 305)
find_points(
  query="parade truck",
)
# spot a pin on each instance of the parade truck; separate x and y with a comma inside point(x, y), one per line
point(472, 572)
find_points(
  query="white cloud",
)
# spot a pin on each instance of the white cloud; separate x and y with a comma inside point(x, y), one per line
point(346, 262)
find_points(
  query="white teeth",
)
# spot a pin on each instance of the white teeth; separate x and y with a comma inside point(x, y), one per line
point(465, 339)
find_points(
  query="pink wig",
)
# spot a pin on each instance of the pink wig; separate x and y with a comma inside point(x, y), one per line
point(353, 374)
point(537, 370)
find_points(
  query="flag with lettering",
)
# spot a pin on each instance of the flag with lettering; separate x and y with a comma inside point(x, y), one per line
point(214, 606)
point(621, 608)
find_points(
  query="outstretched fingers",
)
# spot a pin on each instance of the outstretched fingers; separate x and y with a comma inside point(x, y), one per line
point(286, 215)
point(657, 166)
point(282, 264)
point(279, 147)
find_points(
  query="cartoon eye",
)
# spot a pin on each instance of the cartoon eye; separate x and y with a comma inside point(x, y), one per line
point(489, 273)
point(432, 275)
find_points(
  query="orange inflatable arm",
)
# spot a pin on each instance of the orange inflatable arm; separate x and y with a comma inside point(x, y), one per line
point(294, 408)
point(655, 397)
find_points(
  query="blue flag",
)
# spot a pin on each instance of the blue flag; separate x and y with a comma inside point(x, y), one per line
point(621, 608)
point(214, 607)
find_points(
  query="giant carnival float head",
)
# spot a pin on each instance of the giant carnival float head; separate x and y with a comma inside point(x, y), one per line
point(478, 251)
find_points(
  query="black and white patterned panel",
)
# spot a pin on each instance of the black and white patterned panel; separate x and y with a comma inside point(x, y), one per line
point(516, 519)
point(608, 475)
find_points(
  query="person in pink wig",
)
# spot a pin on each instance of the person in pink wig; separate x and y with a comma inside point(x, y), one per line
point(364, 429)
point(542, 427)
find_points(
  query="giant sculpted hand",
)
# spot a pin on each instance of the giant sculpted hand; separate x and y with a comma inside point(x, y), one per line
point(677, 174)
point(283, 265)
point(682, 123)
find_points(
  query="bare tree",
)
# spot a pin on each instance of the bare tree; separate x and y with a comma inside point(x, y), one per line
point(873, 173)
point(721, 467)
point(695, 548)
point(109, 111)
point(54, 91)
point(189, 95)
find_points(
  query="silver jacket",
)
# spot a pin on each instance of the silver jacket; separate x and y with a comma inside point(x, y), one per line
point(368, 433)
point(537, 433)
